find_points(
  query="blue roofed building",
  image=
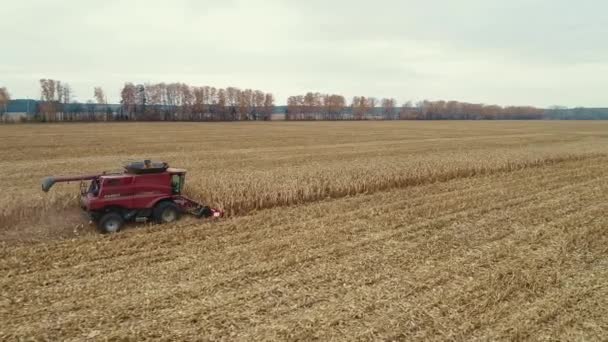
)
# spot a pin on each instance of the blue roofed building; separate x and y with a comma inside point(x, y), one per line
point(17, 109)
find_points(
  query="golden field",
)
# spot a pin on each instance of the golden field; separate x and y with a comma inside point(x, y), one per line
point(335, 230)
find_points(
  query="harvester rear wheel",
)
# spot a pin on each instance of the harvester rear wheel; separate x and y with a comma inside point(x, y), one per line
point(110, 223)
point(165, 212)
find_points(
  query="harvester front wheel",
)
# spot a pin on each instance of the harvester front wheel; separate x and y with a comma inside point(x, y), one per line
point(165, 212)
point(110, 223)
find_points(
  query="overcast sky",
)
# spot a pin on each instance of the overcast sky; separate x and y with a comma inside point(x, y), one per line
point(508, 52)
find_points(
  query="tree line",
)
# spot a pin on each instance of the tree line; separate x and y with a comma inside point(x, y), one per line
point(182, 102)
point(317, 106)
point(57, 104)
point(150, 102)
point(179, 101)
point(455, 110)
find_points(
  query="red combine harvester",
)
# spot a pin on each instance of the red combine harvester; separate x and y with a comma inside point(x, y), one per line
point(143, 191)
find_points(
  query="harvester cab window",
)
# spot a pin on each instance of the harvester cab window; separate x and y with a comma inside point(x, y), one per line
point(176, 183)
point(94, 187)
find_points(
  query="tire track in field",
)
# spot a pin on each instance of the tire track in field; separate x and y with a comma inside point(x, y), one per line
point(341, 250)
point(417, 290)
point(495, 284)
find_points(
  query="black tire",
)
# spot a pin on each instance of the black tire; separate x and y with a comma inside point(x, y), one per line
point(165, 212)
point(110, 223)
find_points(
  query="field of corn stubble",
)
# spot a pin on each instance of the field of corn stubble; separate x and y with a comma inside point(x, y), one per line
point(335, 230)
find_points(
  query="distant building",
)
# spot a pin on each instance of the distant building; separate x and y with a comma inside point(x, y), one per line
point(17, 109)
point(26, 109)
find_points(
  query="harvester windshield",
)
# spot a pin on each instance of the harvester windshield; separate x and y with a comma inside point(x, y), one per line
point(177, 183)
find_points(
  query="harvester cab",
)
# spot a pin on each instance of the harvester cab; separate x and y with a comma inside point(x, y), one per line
point(142, 191)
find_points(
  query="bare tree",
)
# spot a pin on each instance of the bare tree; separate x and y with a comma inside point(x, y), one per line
point(372, 102)
point(359, 107)
point(67, 107)
point(49, 98)
point(212, 103)
point(258, 105)
point(407, 112)
point(245, 104)
point(207, 99)
point(388, 108)
point(309, 105)
point(199, 102)
point(154, 98)
point(174, 99)
point(292, 108)
point(100, 97)
point(334, 106)
point(140, 101)
point(232, 101)
point(268, 106)
point(221, 104)
point(5, 97)
point(67, 93)
point(187, 101)
point(295, 107)
point(102, 102)
point(127, 100)
point(59, 104)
